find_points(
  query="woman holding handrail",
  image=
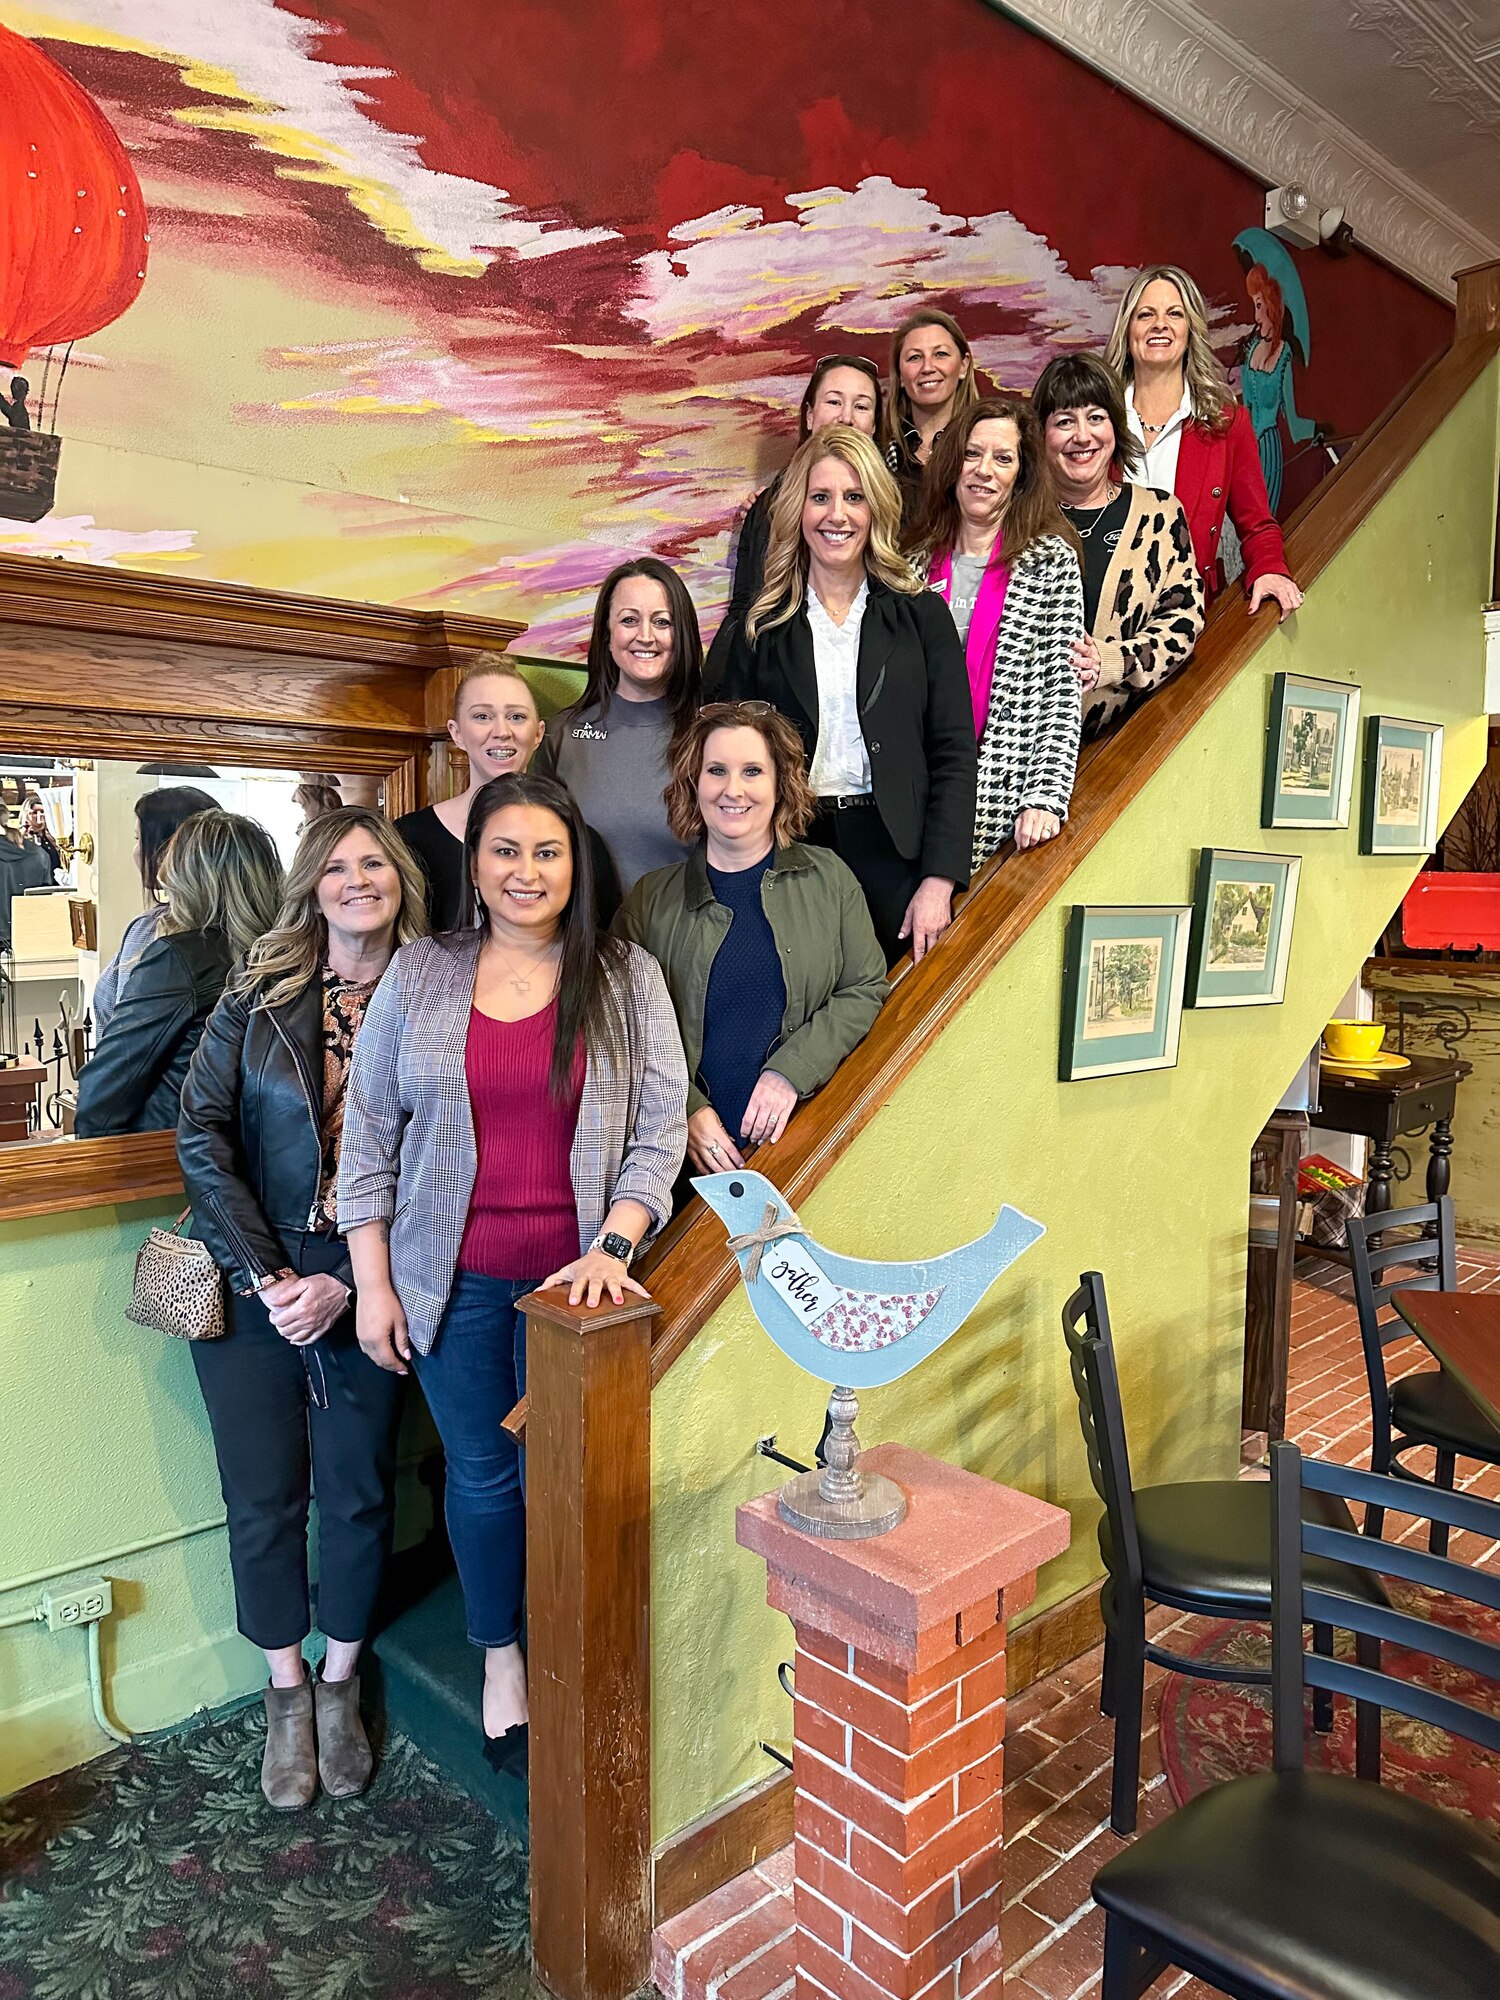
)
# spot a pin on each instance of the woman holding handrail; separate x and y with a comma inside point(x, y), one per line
point(293, 1404)
point(516, 1120)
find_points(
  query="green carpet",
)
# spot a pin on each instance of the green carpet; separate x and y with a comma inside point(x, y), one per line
point(159, 1873)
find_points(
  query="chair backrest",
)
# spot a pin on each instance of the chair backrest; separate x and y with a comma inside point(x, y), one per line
point(1101, 1415)
point(1295, 1601)
point(1429, 1264)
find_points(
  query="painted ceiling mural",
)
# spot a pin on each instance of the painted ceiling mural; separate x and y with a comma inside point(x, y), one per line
point(457, 303)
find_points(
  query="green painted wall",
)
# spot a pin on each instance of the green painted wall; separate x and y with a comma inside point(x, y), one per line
point(1144, 1177)
point(105, 1443)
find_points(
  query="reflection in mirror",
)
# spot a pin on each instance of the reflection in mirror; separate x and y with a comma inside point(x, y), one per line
point(82, 845)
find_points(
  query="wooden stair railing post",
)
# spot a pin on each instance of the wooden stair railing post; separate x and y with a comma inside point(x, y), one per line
point(588, 1556)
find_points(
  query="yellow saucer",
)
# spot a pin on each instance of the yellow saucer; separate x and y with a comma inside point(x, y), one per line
point(1382, 1061)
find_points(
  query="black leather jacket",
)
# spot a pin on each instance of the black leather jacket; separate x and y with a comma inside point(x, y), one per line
point(250, 1138)
point(134, 1079)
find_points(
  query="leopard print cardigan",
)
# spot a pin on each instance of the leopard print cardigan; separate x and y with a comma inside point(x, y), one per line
point(1150, 609)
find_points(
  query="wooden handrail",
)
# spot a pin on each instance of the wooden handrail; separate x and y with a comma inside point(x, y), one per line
point(690, 1272)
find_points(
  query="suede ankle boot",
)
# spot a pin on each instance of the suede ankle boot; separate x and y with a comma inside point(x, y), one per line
point(345, 1759)
point(289, 1769)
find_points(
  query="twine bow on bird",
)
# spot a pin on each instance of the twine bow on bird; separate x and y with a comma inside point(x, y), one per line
point(770, 1231)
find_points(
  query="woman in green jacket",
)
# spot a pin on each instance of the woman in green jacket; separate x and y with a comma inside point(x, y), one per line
point(769, 953)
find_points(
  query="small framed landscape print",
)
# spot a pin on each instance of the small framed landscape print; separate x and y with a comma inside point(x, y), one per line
point(1122, 989)
point(1242, 928)
point(1403, 769)
point(1309, 752)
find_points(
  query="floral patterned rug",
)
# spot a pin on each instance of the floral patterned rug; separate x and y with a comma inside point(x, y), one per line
point(159, 1873)
point(1214, 1730)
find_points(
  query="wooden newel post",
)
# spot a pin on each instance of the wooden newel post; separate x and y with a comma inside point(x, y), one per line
point(588, 1559)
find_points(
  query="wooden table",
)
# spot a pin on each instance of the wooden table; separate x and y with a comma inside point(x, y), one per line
point(1463, 1330)
point(1388, 1104)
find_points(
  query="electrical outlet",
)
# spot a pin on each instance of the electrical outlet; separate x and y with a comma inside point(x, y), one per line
point(81, 1604)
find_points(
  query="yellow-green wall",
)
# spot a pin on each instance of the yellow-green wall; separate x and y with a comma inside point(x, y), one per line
point(105, 1444)
point(1144, 1177)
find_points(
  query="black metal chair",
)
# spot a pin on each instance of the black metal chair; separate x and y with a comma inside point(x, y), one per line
point(1202, 1546)
point(1428, 1408)
point(1297, 1882)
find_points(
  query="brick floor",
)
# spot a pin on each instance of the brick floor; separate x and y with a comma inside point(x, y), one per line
point(738, 1944)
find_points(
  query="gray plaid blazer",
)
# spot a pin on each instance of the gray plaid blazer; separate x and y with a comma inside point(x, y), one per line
point(408, 1155)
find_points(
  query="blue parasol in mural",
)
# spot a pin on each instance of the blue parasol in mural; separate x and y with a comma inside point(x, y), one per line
point(854, 1323)
point(1282, 334)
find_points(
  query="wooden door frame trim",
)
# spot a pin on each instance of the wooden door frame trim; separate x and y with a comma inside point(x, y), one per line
point(377, 679)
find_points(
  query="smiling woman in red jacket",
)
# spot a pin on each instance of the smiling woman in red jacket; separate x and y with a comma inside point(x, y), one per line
point(1198, 441)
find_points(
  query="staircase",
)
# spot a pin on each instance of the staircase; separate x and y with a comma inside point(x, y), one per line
point(426, 1678)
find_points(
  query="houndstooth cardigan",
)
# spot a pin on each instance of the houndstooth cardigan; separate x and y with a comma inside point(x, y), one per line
point(1028, 750)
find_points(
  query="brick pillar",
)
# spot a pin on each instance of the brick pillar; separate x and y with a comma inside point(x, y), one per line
point(900, 1728)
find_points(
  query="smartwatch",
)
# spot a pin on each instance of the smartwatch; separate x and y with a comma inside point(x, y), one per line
point(613, 1244)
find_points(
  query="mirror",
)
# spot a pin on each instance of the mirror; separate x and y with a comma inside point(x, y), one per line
point(71, 888)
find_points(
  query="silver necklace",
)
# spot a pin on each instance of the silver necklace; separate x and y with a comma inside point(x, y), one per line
point(1111, 495)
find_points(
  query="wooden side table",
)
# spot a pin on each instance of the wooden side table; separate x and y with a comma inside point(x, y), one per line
point(1390, 1104)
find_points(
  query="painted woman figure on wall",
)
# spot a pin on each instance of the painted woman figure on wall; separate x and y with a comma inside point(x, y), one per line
point(1281, 336)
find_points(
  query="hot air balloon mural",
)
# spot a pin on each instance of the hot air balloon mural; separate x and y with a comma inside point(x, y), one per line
point(73, 243)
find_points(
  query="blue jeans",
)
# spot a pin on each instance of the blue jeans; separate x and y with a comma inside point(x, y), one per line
point(472, 1379)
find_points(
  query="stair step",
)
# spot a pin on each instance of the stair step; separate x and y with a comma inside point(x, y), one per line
point(428, 1680)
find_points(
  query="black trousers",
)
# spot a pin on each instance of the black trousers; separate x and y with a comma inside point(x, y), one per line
point(289, 1422)
point(858, 836)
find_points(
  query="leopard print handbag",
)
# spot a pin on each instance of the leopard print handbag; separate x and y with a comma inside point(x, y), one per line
point(178, 1288)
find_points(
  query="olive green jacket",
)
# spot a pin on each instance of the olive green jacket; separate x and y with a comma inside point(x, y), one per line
point(832, 964)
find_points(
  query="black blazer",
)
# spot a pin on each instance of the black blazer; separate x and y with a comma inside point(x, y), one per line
point(135, 1078)
point(749, 574)
point(250, 1137)
point(915, 712)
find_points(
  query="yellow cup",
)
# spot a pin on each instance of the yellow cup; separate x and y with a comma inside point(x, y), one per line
point(1353, 1041)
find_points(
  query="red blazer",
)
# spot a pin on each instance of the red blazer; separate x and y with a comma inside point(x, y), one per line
point(1219, 473)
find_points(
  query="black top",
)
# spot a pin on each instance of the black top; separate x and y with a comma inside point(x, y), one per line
point(134, 1080)
point(1099, 544)
point(745, 1002)
point(21, 868)
point(441, 855)
point(749, 574)
point(250, 1136)
point(915, 712)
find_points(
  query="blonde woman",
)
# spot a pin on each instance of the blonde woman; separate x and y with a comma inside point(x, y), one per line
point(497, 725)
point(1196, 440)
point(293, 1404)
point(221, 882)
point(845, 641)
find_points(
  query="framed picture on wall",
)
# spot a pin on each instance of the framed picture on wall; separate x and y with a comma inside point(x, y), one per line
point(1123, 981)
point(1309, 752)
point(1403, 770)
point(1243, 907)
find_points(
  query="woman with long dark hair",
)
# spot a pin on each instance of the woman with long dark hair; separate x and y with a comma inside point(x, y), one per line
point(293, 1404)
point(842, 389)
point(517, 1118)
point(994, 545)
point(645, 680)
point(931, 383)
point(158, 815)
point(845, 641)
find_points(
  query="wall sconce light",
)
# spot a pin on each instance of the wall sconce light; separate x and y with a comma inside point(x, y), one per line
point(1293, 215)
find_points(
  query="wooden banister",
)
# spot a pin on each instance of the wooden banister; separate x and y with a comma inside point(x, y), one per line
point(691, 1273)
point(588, 1564)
